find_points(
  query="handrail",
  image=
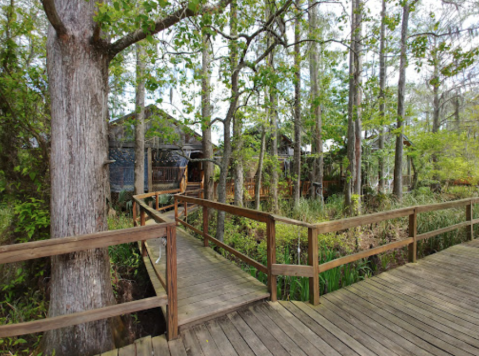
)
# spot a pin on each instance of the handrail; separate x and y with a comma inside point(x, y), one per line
point(53, 247)
point(313, 269)
point(170, 281)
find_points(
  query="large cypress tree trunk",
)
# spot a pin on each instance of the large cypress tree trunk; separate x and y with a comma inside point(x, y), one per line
point(297, 111)
point(206, 115)
point(382, 96)
point(140, 122)
point(78, 84)
point(398, 158)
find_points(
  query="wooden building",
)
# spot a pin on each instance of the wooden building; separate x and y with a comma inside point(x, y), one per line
point(168, 143)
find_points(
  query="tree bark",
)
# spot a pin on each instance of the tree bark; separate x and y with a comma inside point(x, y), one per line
point(351, 137)
point(206, 118)
point(398, 158)
point(358, 100)
point(297, 111)
point(382, 97)
point(139, 186)
point(78, 84)
point(315, 102)
point(259, 171)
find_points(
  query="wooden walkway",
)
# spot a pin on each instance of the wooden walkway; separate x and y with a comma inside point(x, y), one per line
point(428, 308)
point(208, 284)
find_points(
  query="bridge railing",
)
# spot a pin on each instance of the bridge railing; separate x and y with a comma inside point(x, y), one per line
point(313, 269)
point(53, 247)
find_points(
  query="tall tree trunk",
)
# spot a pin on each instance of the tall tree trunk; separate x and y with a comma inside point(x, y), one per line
point(351, 137)
point(457, 108)
point(297, 111)
point(315, 103)
point(358, 96)
point(259, 171)
point(382, 97)
point(398, 158)
point(206, 118)
point(140, 122)
point(273, 112)
point(78, 84)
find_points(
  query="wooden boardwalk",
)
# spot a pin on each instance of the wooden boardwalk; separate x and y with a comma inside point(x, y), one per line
point(208, 284)
point(427, 308)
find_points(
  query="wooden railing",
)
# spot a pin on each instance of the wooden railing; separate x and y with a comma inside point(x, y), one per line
point(313, 269)
point(60, 246)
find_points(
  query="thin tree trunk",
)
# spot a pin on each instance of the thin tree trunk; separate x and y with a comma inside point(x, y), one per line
point(397, 188)
point(78, 84)
point(457, 117)
point(315, 104)
point(259, 171)
point(351, 138)
point(297, 112)
point(206, 117)
point(382, 97)
point(358, 96)
point(140, 122)
point(274, 137)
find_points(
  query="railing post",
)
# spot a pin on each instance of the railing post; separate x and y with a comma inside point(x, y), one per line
point(271, 256)
point(313, 260)
point(171, 284)
point(412, 248)
point(205, 226)
point(134, 213)
point(186, 211)
point(142, 217)
point(157, 201)
point(470, 227)
point(176, 211)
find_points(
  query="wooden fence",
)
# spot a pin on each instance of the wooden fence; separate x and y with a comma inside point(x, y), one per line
point(54, 247)
point(313, 269)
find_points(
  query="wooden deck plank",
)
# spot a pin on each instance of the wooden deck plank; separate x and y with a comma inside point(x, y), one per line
point(220, 338)
point(248, 335)
point(206, 341)
point(389, 321)
point(160, 346)
point(263, 334)
point(143, 346)
point(110, 353)
point(408, 348)
point(177, 348)
point(328, 343)
point(129, 350)
point(440, 330)
point(191, 344)
point(234, 337)
point(282, 338)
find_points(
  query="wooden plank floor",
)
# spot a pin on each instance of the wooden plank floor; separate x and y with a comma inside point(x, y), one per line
point(428, 308)
point(208, 284)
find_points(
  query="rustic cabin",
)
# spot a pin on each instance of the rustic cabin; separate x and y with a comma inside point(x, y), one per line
point(168, 145)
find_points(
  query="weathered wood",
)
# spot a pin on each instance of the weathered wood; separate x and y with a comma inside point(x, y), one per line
point(143, 346)
point(80, 318)
point(430, 234)
point(152, 213)
point(292, 270)
point(171, 284)
point(442, 206)
point(271, 257)
point(127, 350)
point(157, 202)
point(247, 213)
point(412, 248)
point(152, 194)
point(470, 227)
point(134, 212)
point(37, 249)
point(337, 225)
point(313, 261)
point(357, 256)
point(176, 212)
point(221, 339)
point(160, 346)
point(205, 226)
point(142, 217)
point(289, 221)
